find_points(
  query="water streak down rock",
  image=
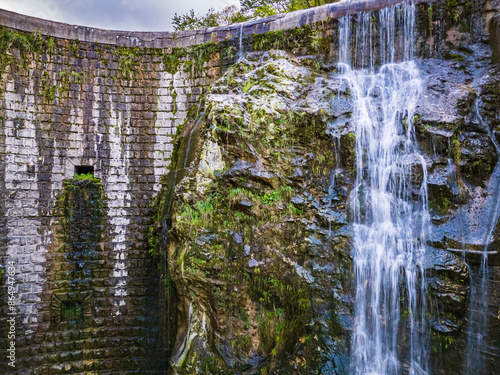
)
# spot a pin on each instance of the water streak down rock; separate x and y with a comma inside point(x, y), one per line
point(389, 209)
point(394, 174)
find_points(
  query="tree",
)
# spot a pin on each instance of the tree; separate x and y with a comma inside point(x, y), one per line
point(190, 21)
point(249, 9)
point(264, 8)
point(269, 7)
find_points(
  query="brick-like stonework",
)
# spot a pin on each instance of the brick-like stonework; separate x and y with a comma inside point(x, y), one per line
point(76, 107)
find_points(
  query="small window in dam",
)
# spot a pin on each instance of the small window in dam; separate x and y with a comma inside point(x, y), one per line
point(71, 310)
point(84, 169)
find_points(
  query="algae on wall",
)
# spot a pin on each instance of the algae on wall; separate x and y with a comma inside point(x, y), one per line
point(80, 233)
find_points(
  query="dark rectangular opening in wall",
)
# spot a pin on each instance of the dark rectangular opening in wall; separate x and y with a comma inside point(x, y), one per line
point(71, 310)
point(84, 169)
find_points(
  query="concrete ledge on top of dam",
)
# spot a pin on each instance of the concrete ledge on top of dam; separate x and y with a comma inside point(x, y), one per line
point(162, 39)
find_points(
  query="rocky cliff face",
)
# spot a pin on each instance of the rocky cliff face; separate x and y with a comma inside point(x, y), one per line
point(260, 237)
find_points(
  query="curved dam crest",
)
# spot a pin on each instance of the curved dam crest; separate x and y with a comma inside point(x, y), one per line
point(162, 39)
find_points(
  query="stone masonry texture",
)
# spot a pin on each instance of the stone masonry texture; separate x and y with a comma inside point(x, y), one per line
point(86, 288)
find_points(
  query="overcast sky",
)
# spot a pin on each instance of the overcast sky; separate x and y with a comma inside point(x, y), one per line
point(133, 15)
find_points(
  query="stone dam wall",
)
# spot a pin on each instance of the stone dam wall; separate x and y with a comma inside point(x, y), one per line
point(77, 100)
point(86, 288)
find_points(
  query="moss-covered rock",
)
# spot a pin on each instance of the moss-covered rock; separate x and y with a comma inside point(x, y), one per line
point(257, 249)
point(256, 203)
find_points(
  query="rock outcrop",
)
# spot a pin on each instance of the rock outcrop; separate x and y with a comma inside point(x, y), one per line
point(259, 248)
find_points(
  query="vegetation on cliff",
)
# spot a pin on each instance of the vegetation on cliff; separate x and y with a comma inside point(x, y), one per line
point(251, 250)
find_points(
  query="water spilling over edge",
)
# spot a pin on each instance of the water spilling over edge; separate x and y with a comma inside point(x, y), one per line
point(389, 200)
point(477, 328)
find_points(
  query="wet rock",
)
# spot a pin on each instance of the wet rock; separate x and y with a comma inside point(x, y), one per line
point(477, 157)
point(238, 169)
point(452, 295)
point(254, 263)
point(247, 258)
point(244, 206)
point(206, 239)
point(444, 326)
point(442, 262)
point(447, 290)
point(446, 97)
point(299, 201)
point(237, 238)
point(255, 172)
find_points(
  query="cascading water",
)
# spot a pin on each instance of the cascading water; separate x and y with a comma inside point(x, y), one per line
point(478, 311)
point(241, 53)
point(175, 176)
point(389, 201)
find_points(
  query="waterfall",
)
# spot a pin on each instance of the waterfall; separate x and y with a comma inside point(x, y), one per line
point(241, 53)
point(388, 203)
point(477, 328)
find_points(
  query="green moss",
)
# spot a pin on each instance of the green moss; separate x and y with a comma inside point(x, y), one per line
point(242, 343)
point(284, 302)
point(63, 76)
point(453, 56)
point(313, 38)
point(270, 40)
point(276, 195)
point(87, 177)
point(456, 149)
point(188, 66)
point(441, 342)
point(80, 207)
point(61, 85)
point(492, 88)
point(71, 311)
point(443, 206)
point(128, 61)
point(440, 200)
point(74, 44)
point(478, 171)
point(174, 103)
point(204, 53)
point(51, 48)
point(430, 18)
point(26, 43)
point(348, 148)
point(247, 85)
point(171, 61)
point(49, 93)
point(79, 77)
point(459, 13)
point(193, 58)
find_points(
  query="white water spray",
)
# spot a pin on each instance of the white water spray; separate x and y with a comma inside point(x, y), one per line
point(241, 53)
point(477, 329)
point(388, 205)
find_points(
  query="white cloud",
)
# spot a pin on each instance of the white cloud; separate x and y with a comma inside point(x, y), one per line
point(137, 15)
